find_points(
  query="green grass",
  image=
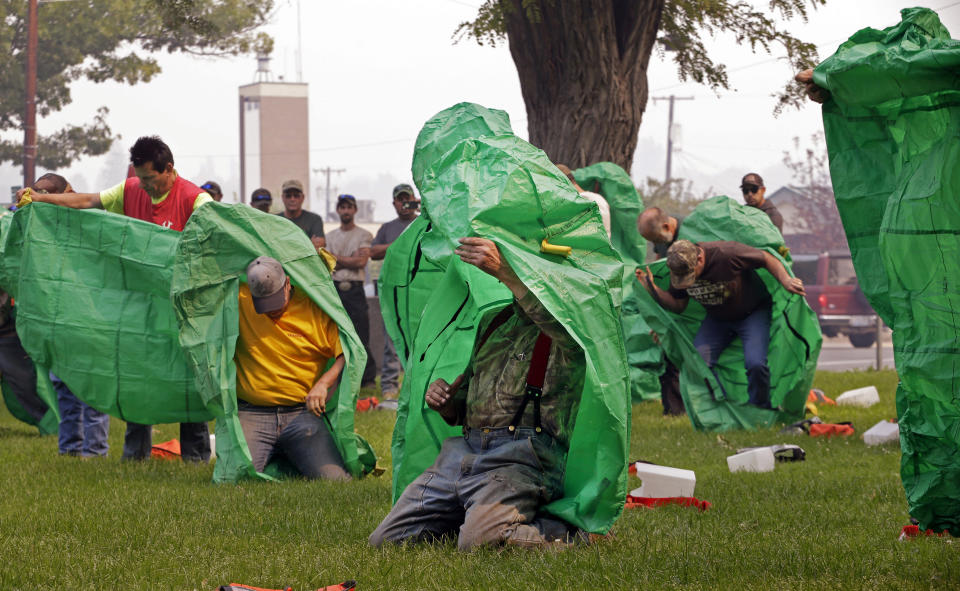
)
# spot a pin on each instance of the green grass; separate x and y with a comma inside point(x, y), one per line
point(829, 522)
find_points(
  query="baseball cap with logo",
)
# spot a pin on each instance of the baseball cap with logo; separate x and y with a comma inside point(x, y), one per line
point(401, 189)
point(292, 184)
point(682, 262)
point(266, 280)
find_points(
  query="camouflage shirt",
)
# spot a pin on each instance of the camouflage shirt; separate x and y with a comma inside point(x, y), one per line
point(499, 373)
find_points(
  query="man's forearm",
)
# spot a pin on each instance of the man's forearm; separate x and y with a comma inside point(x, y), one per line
point(352, 262)
point(775, 267)
point(378, 251)
point(74, 200)
point(664, 299)
point(508, 277)
point(329, 377)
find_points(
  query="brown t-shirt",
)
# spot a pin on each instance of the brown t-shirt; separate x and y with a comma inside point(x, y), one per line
point(773, 213)
point(729, 287)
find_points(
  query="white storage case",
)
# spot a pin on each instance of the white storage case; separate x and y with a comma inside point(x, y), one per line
point(664, 481)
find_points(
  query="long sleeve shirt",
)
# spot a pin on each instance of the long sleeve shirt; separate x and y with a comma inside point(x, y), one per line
point(500, 366)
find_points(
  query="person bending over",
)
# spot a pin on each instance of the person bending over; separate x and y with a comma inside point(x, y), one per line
point(722, 277)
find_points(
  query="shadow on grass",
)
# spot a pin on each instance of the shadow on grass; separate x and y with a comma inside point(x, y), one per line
point(26, 432)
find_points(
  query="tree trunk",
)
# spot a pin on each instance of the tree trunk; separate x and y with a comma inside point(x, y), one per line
point(583, 75)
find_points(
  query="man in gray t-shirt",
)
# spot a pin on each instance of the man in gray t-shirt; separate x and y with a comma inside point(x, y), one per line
point(350, 244)
point(406, 205)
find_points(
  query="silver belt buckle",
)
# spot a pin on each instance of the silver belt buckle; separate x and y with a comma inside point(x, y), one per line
point(344, 285)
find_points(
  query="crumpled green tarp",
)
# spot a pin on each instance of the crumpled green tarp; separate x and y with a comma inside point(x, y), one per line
point(795, 337)
point(892, 130)
point(644, 356)
point(93, 293)
point(478, 179)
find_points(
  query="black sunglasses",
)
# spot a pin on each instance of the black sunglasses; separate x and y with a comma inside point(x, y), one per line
point(749, 189)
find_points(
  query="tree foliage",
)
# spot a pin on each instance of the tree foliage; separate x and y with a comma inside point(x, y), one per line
point(601, 49)
point(101, 40)
point(675, 196)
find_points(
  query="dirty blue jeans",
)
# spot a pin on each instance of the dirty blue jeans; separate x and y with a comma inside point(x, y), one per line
point(294, 432)
point(489, 485)
point(715, 335)
point(83, 429)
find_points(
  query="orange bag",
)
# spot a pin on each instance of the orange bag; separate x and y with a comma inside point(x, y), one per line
point(168, 450)
point(831, 429)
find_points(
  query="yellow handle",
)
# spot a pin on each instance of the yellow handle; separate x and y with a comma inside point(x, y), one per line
point(547, 248)
point(25, 199)
point(329, 260)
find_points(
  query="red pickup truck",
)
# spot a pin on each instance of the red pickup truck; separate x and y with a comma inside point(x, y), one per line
point(835, 295)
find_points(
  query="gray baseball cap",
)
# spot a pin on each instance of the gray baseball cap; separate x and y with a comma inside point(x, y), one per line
point(266, 280)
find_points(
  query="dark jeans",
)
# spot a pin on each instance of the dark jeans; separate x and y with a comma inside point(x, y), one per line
point(21, 375)
point(83, 429)
point(295, 432)
point(194, 442)
point(670, 390)
point(489, 486)
point(355, 303)
point(715, 335)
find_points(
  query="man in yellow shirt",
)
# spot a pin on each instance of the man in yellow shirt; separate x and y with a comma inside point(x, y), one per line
point(285, 346)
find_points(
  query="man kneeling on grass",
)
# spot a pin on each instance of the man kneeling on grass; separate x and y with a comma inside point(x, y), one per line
point(283, 383)
point(491, 483)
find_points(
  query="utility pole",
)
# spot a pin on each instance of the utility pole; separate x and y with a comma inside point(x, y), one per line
point(327, 172)
point(670, 98)
point(30, 117)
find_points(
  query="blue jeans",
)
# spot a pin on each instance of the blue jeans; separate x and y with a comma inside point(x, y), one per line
point(83, 429)
point(715, 335)
point(295, 432)
point(489, 484)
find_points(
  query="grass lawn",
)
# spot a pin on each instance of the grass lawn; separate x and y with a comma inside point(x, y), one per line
point(829, 522)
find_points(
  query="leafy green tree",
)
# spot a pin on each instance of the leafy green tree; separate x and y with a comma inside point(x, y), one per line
point(102, 40)
point(583, 63)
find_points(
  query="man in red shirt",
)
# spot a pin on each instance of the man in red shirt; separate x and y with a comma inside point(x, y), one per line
point(156, 194)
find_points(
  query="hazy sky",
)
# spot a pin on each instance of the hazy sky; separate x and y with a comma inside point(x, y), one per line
point(378, 69)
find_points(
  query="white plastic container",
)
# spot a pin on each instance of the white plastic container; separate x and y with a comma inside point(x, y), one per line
point(213, 446)
point(860, 397)
point(882, 432)
point(756, 460)
point(664, 481)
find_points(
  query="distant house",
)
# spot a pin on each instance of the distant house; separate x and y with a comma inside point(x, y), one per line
point(811, 222)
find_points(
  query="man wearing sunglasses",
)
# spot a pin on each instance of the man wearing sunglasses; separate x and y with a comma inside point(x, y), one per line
point(753, 192)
